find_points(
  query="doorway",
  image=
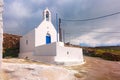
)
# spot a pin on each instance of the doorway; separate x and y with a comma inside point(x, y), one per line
point(48, 38)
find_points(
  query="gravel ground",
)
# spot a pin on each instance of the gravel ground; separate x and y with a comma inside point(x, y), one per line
point(97, 69)
point(17, 71)
point(93, 69)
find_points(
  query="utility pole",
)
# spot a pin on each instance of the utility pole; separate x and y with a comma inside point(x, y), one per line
point(60, 31)
point(63, 36)
point(57, 28)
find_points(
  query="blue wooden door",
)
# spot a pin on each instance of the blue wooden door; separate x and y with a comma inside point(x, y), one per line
point(48, 39)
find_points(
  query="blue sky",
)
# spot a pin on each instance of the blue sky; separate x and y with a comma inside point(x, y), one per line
point(21, 16)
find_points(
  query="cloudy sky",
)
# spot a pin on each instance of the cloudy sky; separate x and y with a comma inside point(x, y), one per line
point(21, 16)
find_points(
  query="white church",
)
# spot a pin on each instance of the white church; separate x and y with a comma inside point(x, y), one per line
point(41, 44)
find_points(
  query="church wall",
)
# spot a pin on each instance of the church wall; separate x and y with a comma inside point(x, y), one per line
point(26, 55)
point(46, 59)
point(69, 54)
point(55, 53)
point(27, 42)
point(41, 32)
point(46, 50)
point(31, 56)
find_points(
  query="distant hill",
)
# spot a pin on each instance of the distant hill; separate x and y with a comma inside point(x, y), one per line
point(110, 47)
point(105, 52)
point(10, 45)
point(11, 48)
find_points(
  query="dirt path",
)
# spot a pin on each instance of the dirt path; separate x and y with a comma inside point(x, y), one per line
point(93, 69)
point(98, 69)
point(17, 71)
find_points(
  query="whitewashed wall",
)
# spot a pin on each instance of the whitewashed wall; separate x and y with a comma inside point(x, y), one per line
point(37, 37)
point(31, 56)
point(46, 50)
point(69, 54)
point(30, 45)
point(41, 31)
point(55, 53)
point(1, 31)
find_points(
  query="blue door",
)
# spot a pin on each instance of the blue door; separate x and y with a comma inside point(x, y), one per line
point(48, 39)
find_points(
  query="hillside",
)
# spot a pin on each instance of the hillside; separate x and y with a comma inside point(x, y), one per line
point(105, 52)
point(10, 45)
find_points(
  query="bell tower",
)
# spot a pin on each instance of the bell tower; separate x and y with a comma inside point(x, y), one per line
point(47, 15)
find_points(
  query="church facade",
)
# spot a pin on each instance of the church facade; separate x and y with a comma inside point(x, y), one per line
point(45, 33)
point(41, 44)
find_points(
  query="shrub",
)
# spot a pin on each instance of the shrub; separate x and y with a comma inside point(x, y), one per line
point(11, 52)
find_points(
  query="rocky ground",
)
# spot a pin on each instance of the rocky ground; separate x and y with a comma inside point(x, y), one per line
point(97, 69)
point(19, 69)
point(93, 69)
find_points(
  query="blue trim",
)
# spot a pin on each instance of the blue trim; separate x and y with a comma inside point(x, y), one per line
point(48, 39)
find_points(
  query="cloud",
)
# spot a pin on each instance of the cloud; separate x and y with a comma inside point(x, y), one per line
point(97, 38)
point(24, 15)
point(15, 16)
point(17, 9)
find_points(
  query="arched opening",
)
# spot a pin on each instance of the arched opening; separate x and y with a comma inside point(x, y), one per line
point(48, 38)
point(47, 15)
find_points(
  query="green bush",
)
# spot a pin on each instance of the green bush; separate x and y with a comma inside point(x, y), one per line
point(11, 52)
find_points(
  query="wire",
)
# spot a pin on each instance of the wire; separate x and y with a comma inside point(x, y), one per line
point(92, 32)
point(99, 32)
point(91, 18)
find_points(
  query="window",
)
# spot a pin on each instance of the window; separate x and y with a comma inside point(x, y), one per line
point(26, 42)
point(67, 53)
